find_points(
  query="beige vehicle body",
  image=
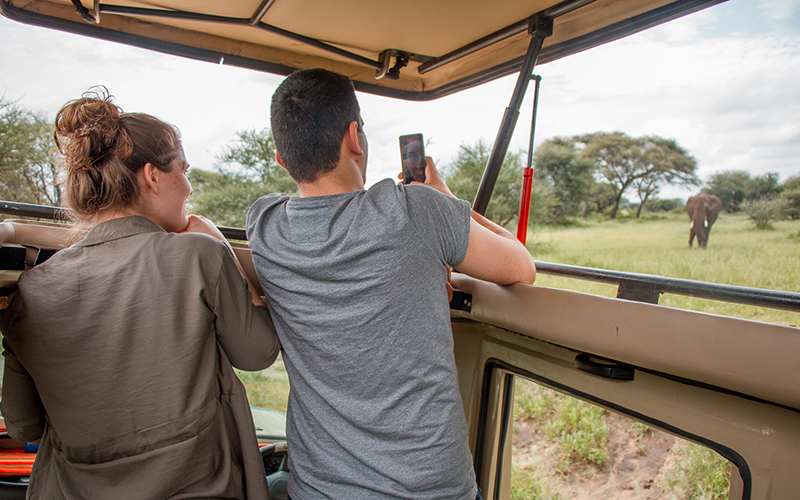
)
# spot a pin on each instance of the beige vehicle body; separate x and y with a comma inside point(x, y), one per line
point(730, 384)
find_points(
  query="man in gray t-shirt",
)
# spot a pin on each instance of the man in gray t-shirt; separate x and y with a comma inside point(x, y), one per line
point(356, 283)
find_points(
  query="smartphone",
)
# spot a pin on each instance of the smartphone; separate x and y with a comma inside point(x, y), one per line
point(412, 152)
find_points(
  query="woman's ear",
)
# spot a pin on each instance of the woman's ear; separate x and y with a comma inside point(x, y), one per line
point(149, 177)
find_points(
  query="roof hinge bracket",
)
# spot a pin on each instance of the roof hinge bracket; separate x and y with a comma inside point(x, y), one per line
point(540, 26)
point(400, 61)
point(90, 16)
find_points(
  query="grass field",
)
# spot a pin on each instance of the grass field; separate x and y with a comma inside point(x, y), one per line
point(737, 254)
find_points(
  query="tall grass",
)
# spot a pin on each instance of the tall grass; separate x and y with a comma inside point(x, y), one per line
point(737, 254)
point(699, 473)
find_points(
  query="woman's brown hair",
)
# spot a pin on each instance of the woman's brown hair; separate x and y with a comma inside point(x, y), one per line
point(104, 149)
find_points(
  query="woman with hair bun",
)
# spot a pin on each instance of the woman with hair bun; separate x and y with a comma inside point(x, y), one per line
point(119, 349)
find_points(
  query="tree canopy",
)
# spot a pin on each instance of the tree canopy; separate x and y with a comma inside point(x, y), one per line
point(28, 173)
point(463, 176)
point(642, 163)
point(734, 187)
point(560, 165)
point(246, 169)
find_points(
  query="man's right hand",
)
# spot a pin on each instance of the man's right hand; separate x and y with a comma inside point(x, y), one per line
point(433, 179)
point(494, 253)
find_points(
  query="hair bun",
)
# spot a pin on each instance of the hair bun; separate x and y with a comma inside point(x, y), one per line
point(89, 129)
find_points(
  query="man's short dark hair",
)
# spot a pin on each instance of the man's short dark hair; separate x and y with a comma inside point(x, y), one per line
point(310, 113)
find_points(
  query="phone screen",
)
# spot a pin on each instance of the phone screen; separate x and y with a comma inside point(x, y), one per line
point(412, 151)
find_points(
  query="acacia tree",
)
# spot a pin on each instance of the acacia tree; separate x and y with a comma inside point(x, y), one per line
point(27, 171)
point(246, 169)
point(643, 162)
point(663, 162)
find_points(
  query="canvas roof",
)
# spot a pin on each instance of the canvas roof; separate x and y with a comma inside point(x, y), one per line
point(350, 36)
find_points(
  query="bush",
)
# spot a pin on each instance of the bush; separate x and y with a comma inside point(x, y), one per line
point(766, 210)
point(659, 205)
point(793, 203)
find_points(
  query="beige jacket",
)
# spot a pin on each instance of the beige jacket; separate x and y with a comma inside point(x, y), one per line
point(118, 356)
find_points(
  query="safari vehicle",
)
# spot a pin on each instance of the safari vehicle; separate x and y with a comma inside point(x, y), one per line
point(730, 384)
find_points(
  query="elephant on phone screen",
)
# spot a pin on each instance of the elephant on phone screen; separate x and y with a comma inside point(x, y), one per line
point(703, 210)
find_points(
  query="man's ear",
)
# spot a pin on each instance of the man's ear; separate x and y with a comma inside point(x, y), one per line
point(352, 139)
point(150, 176)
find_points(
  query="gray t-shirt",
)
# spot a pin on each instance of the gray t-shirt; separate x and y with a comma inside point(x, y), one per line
point(356, 286)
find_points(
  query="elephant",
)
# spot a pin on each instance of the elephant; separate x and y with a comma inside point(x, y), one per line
point(703, 210)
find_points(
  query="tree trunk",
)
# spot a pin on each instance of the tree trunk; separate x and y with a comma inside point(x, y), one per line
point(615, 207)
point(641, 204)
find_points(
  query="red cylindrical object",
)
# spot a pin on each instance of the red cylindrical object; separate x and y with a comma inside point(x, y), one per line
point(524, 204)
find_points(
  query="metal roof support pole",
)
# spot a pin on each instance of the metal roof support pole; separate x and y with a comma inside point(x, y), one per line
point(539, 28)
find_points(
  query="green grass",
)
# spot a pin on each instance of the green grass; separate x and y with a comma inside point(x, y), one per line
point(268, 388)
point(526, 484)
point(699, 474)
point(579, 429)
point(737, 254)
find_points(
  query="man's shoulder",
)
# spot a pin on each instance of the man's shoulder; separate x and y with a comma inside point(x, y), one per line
point(267, 201)
point(390, 191)
point(264, 204)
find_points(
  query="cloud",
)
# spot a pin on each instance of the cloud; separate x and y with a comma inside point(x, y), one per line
point(778, 10)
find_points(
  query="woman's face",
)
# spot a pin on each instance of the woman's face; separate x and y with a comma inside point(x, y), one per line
point(174, 192)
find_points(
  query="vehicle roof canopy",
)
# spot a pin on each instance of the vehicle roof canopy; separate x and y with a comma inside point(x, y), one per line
point(451, 44)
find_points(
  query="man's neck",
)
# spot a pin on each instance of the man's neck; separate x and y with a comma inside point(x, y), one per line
point(340, 180)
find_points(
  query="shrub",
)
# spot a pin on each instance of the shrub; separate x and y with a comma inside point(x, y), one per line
point(793, 203)
point(766, 210)
point(668, 205)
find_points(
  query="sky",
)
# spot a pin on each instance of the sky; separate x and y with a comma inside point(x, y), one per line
point(723, 82)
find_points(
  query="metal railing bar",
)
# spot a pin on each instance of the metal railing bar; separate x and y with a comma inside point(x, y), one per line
point(777, 299)
point(726, 293)
point(319, 44)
